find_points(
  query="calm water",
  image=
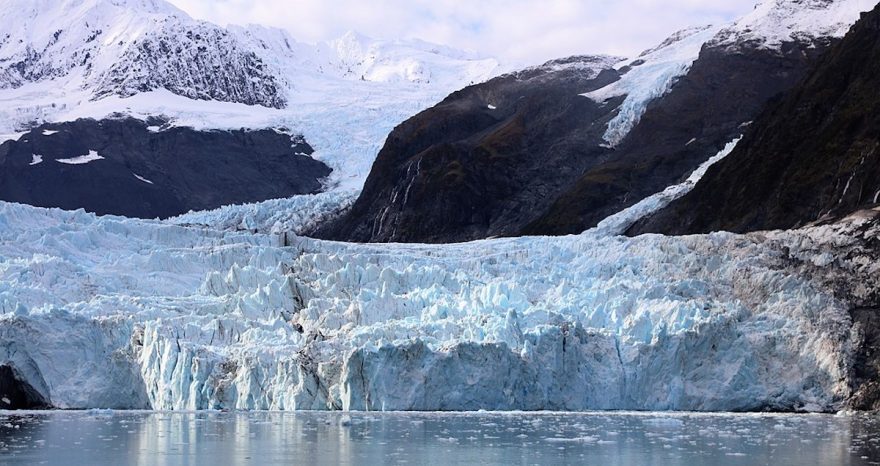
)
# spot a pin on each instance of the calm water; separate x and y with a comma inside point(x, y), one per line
point(89, 438)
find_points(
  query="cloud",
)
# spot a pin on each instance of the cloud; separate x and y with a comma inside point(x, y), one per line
point(522, 31)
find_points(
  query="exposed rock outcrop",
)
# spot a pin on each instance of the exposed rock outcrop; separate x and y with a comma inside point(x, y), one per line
point(813, 156)
point(151, 169)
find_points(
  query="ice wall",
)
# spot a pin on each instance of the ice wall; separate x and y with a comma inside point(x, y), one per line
point(110, 312)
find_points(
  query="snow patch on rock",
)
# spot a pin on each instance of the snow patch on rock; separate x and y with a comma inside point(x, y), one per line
point(141, 178)
point(82, 159)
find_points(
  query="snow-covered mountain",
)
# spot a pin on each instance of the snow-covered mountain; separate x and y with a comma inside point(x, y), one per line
point(775, 23)
point(126, 47)
point(810, 158)
point(66, 59)
point(545, 163)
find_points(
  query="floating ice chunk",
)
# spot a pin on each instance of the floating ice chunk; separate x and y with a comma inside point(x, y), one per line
point(665, 422)
point(36, 160)
point(82, 159)
point(491, 107)
point(584, 439)
point(49, 132)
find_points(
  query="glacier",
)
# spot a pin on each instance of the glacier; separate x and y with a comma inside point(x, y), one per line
point(231, 310)
point(649, 77)
point(296, 215)
point(618, 223)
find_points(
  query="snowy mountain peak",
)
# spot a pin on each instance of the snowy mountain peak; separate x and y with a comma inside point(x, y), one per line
point(775, 22)
point(352, 42)
point(151, 6)
point(93, 11)
point(61, 60)
point(676, 38)
point(360, 57)
point(127, 47)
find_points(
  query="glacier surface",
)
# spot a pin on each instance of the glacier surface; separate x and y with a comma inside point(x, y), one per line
point(203, 313)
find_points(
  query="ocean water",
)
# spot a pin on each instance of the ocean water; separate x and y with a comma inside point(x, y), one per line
point(606, 439)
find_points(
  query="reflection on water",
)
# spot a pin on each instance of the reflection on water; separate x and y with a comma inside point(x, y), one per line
point(87, 438)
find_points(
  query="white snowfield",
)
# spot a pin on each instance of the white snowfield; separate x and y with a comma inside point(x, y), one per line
point(105, 312)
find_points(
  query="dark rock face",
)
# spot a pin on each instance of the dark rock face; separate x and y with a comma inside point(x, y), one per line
point(537, 165)
point(707, 108)
point(866, 367)
point(485, 159)
point(812, 156)
point(148, 171)
point(195, 60)
point(205, 64)
point(16, 393)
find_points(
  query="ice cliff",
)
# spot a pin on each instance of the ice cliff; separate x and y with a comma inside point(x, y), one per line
point(116, 313)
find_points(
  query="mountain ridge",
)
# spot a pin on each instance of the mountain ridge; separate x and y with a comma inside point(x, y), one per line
point(122, 48)
point(665, 113)
point(811, 157)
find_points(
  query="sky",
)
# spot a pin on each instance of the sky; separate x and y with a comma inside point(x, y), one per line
point(516, 31)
